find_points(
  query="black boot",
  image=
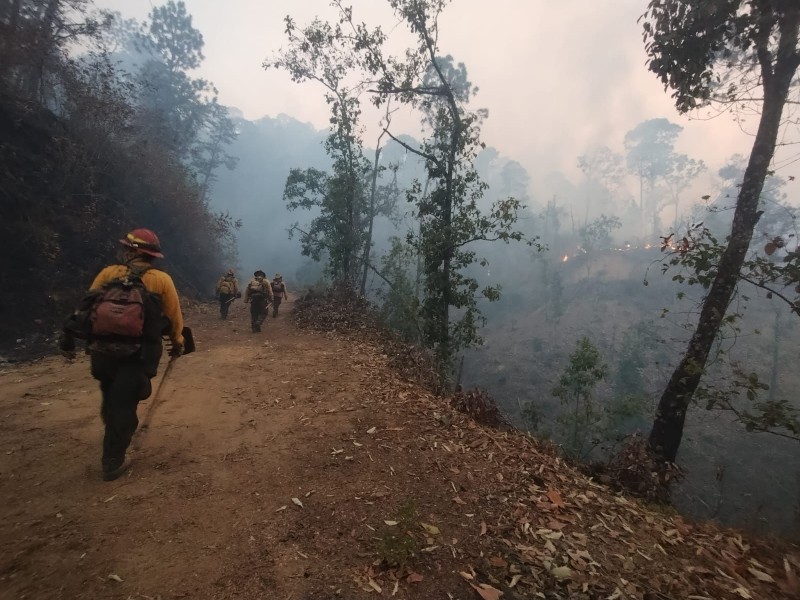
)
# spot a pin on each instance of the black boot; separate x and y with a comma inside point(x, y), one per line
point(114, 469)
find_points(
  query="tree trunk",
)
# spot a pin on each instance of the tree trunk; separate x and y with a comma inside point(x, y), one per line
point(641, 199)
point(418, 278)
point(675, 221)
point(444, 308)
point(208, 171)
point(665, 437)
point(445, 343)
point(368, 243)
point(11, 26)
point(44, 46)
point(214, 158)
point(588, 202)
point(776, 346)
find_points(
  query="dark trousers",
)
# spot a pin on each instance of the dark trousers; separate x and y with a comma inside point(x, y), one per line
point(123, 383)
point(275, 304)
point(225, 301)
point(258, 311)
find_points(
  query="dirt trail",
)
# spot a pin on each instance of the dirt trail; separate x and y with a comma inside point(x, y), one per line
point(381, 473)
point(247, 423)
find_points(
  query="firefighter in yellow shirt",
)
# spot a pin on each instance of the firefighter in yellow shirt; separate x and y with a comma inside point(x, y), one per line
point(124, 366)
point(259, 295)
point(279, 293)
point(227, 292)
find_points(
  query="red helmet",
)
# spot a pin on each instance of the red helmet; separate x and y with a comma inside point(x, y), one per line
point(144, 241)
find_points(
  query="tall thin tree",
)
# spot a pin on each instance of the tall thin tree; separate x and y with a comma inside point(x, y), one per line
point(708, 50)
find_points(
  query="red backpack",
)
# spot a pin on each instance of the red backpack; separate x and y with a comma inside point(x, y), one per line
point(119, 311)
point(118, 317)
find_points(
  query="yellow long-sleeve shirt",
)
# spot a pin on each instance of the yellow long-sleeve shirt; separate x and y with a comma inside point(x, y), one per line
point(156, 282)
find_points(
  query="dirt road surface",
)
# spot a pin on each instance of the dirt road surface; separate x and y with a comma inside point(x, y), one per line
point(292, 465)
point(247, 424)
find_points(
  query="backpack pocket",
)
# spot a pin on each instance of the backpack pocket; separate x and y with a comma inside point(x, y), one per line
point(119, 313)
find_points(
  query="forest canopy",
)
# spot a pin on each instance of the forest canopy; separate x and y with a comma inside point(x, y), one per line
point(104, 130)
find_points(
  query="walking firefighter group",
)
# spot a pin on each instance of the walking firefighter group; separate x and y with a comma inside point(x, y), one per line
point(260, 293)
point(130, 307)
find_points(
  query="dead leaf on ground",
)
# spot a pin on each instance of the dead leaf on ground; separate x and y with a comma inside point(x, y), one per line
point(431, 529)
point(487, 592)
point(555, 498)
point(414, 577)
point(561, 573)
point(297, 502)
point(792, 583)
point(760, 575)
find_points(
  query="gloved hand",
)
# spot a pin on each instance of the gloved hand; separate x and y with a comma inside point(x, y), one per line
point(176, 350)
point(238, 294)
point(66, 346)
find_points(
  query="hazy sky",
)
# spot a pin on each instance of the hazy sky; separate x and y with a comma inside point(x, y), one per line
point(556, 75)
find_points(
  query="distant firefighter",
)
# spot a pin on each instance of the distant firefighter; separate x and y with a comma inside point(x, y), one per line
point(259, 295)
point(279, 293)
point(227, 292)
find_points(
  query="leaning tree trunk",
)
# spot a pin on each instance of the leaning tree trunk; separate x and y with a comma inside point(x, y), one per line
point(665, 437)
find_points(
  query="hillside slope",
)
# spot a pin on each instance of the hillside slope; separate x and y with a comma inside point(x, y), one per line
point(741, 479)
point(299, 464)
